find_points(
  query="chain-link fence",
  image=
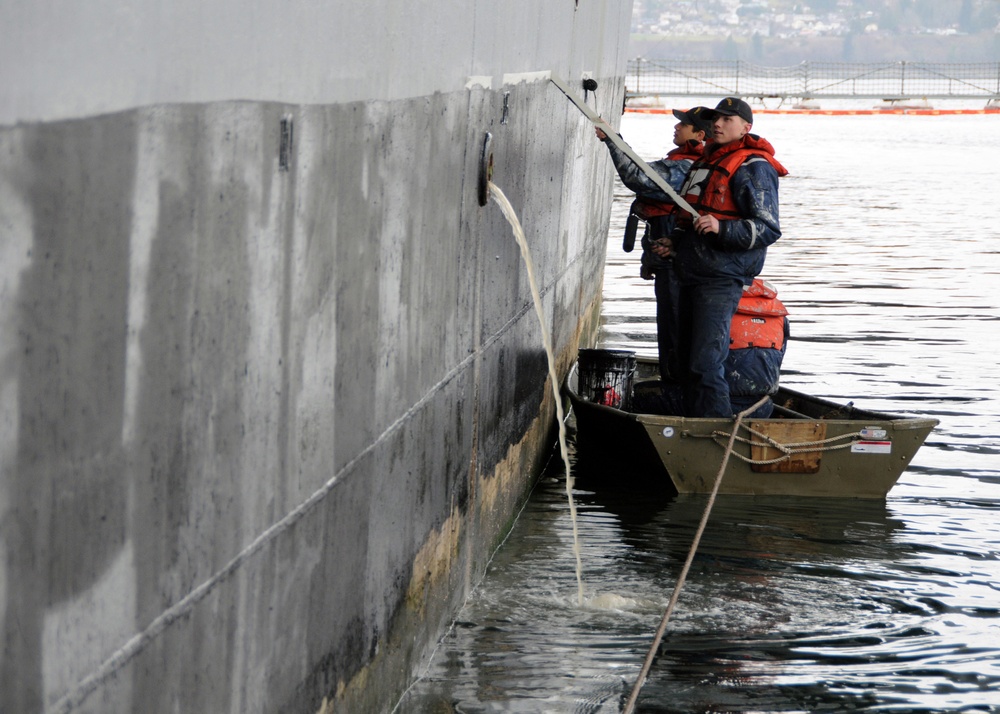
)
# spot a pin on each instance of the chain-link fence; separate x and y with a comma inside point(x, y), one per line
point(813, 80)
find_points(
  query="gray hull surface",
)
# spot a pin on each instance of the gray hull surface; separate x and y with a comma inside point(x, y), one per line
point(271, 383)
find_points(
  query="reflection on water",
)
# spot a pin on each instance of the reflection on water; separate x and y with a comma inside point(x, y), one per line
point(890, 266)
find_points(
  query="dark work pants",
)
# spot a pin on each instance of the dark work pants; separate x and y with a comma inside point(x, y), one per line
point(666, 287)
point(705, 312)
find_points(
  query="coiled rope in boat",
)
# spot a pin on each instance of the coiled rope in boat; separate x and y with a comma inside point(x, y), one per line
point(630, 704)
point(787, 449)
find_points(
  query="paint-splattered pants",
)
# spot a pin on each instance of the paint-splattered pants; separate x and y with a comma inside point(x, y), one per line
point(705, 311)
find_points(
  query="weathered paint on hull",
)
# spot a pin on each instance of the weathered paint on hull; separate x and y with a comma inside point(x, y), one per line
point(261, 429)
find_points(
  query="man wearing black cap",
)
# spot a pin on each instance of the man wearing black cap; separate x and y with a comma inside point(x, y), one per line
point(657, 210)
point(734, 189)
point(651, 204)
point(690, 133)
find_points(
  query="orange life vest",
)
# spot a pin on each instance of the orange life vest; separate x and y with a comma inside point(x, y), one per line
point(692, 149)
point(759, 320)
point(707, 184)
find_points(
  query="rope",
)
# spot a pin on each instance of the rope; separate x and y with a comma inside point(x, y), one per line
point(787, 450)
point(630, 704)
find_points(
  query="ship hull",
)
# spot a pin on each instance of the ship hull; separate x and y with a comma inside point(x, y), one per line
point(271, 382)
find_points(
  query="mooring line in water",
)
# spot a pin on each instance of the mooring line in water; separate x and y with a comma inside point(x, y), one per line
point(509, 213)
point(630, 704)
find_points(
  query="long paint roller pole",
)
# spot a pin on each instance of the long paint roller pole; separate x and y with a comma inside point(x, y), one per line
point(620, 143)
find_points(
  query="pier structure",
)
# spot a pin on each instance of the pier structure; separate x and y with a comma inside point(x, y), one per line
point(801, 84)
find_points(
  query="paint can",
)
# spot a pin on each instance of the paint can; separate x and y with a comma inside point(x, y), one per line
point(606, 376)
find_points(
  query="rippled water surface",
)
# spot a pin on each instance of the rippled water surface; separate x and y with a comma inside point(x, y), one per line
point(890, 267)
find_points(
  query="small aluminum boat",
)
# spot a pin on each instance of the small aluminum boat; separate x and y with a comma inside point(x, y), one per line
point(807, 447)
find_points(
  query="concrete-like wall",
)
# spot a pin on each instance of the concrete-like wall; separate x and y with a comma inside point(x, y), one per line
point(261, 425)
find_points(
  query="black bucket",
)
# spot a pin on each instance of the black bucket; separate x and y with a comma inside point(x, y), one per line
point(606, 377)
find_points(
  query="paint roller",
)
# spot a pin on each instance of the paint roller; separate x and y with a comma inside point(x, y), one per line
point(595, 118)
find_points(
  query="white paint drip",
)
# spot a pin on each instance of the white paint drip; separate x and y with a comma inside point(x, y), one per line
point(145, 218)
point(518, 77)
point(478, 81)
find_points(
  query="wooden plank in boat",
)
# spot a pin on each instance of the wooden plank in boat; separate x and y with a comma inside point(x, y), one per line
point(787, 432)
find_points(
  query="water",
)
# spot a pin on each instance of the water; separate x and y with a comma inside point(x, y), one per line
point(890, 266)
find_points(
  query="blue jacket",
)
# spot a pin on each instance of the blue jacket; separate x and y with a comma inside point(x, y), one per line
point(673, 171)
point(635, 179)
point(748, 213)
